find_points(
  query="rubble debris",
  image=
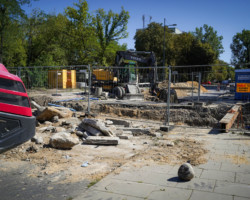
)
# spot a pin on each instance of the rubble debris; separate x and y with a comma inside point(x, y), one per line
point(55, 119)
point(119, 122)
point(186, 172)
point(37, 139)
point(170, 144)
point(73, 121)
point(32, 149)
point(37, 106)
point(63, 140)
point(97, 125)
point(137, 131)
point(228, 120)
point(49, 112)
point(85, 164)
point(101, 140)
point(125, 137)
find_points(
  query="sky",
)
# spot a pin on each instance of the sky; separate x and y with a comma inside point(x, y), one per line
point(227, 17)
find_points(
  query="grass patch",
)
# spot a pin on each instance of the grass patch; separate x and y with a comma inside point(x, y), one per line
point(93, 183)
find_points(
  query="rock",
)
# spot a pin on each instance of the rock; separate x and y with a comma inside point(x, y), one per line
point(101, 140)
point(49, 112)
point(108, 122)
point(55, 119)
point(137, 131)
point(91, 130)
point(63, 140)
point(125, 137)
point(96, 124)
point(82, 134)
point(47, 123)
point(37, 140)
point(60, 129)
point(119, 122)
point(73, 121)
point(186, 172)
point(170, 144)
point(32, 149)
point(37, 106)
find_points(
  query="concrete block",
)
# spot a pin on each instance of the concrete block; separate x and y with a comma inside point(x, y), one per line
point(198, 195)
point(101, 140)
point(120, 122)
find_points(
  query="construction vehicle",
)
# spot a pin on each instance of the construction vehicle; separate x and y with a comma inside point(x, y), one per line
point(17, 124)
point(123, 79)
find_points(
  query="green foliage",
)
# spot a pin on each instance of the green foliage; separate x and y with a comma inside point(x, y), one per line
point(241, 49)
point(10, 14)
point(110, 27)
point(182, 49)
point(207, 34)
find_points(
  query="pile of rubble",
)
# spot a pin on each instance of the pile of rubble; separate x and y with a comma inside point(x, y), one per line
point(68, 128)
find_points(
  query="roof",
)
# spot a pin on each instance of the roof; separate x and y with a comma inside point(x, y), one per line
point(242, 70)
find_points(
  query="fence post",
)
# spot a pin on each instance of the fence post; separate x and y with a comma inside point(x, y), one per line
point(199, 88)
point(169, 94)
point(89, 89)
point(192, 86)
point(19, 72)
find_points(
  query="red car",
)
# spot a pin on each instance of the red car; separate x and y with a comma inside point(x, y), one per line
point(207, 83)
point(17, 124)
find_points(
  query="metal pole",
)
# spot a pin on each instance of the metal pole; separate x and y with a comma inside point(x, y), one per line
point(164, 71)
point(56, 81)
point(199, 88)
point(169, 93)
point(192, 86)
point(89, 89)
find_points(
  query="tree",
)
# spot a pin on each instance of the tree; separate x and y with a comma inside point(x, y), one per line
point(82, 41)
point(10, 11)
point(241, 49)
point(110, 27)
point(207, 34)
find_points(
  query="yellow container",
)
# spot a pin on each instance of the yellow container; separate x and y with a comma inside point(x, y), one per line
point(62, 78)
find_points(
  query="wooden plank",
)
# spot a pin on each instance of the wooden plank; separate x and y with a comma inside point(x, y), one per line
point(228, 120)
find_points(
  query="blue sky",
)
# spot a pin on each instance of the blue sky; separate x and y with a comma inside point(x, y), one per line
point(227, 17)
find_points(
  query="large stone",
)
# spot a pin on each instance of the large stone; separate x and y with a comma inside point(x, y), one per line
point(91, 130)
point(63, 140)
point(97, 124)
point(102, 140)
point(186, 172)
point(73, 121)
point(49, 112)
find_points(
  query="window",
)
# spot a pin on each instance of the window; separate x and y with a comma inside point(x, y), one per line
point(8, 84)
point(14, 100)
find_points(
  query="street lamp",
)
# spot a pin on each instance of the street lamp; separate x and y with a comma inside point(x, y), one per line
point(164, 39)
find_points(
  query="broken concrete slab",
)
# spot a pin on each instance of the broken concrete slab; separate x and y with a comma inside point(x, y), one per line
point(101, 140)
point(125, 137)
point(49, 112)
point(73, 121)
point(137, 131)
point(119, 122)
point(97, 124)
point(91, 130)
point(228, 120)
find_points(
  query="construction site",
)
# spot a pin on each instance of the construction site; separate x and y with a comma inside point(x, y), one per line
point(95, 122)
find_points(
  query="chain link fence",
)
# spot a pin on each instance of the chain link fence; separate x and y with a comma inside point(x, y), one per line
point(200, 96)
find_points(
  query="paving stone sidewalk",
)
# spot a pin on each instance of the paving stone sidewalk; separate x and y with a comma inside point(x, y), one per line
point(226, 176)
